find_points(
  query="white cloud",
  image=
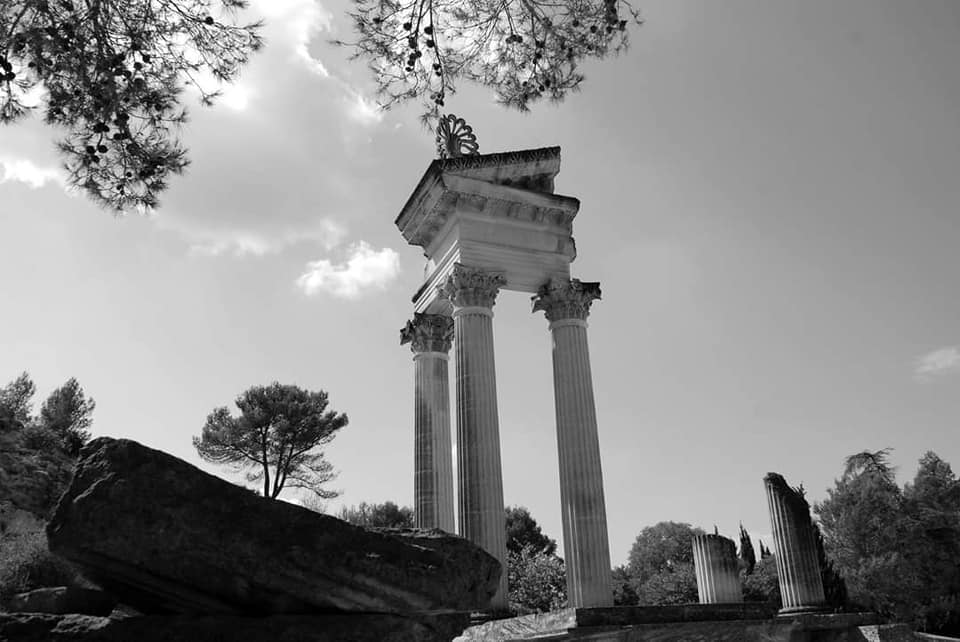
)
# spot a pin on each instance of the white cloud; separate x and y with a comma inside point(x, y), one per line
point(364, 111)
point(236, 96)
point(241, 243)
point(940, 362)
point(364, 269)
point(25, 171)
point(297, 23)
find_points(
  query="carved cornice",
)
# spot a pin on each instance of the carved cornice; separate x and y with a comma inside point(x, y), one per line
point(428, 333)
point(529, 172)
point(468, 287)
point(566, 299)
point(478, 161)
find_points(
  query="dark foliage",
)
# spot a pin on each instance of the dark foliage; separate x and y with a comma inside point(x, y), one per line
point(623, 592)
point(524, 50)
point(276, 437)
point(523, 531)
point(67, 413)
point(898, 549)
point(537, 581)
point(385, 515)
point(113, 72)
point(748, 558)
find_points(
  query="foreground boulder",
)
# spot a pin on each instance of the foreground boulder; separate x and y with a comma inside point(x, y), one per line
point(32, 627)
point(166, 537)
point(64, 599)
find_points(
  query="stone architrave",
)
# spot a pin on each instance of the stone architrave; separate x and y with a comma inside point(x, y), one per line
point(472, 293)
point(798, 569)
point(718, 572)
point(566, 304)
point(430, 337)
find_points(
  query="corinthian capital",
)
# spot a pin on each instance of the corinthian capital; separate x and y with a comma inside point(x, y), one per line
point(560, 299)
point(471, 287)
point(428, 333)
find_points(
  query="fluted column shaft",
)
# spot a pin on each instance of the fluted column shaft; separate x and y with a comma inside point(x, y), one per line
point(430, 337)
point(583, 509)
point(479, 470)
point(798, 569)
point(717, 569)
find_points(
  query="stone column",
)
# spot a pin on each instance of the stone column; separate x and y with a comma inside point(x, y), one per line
point(479, 476)
point(798, 569)
point(717, 569)
point(585, 543)
point(430, 336)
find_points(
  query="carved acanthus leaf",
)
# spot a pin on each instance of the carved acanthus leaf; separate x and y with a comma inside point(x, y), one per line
point(428, 333)
point(470, 287)
point(566, 299)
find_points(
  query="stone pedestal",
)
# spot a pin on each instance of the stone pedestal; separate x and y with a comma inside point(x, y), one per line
point(472, 293)
point(430, 336)
point(717, 570)
point(801, 586)
point(566, 304)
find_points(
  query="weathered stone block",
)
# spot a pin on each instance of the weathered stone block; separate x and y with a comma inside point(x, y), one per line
point(165, 536)
point(29, 627)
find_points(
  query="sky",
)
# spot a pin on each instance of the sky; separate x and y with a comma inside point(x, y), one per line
point(769, 200)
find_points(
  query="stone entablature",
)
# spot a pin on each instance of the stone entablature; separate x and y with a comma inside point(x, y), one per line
point(428, 333)
point(496, 212)
point(570, 299)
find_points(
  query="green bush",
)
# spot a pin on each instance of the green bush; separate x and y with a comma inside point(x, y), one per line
point(26, 564)
point(40, 438)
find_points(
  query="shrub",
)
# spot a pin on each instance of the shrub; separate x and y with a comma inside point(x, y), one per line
point(39, 438)
point(27, 564)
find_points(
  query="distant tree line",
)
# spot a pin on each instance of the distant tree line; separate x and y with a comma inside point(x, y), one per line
point(897, 548)
point(62, 423)
point(881, 548)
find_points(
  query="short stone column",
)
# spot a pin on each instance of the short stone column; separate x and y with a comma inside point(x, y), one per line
point(585, 543)
point(718, 572)
point(479, 474)
point(430, 337)
point(801, 586)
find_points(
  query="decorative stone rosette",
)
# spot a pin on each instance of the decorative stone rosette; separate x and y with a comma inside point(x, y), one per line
point(428, 333)
point(571, 299)
point(468, 287)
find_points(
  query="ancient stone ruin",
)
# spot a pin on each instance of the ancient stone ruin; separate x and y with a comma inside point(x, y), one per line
point(718, 572)
point(486, 223)
point(795, 548)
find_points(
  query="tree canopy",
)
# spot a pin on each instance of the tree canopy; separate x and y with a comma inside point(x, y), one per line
point(537, 581)
point(385, 515)
point(16, 401)
point(662, 547)
point(524, 50)
point(67, 412)
point(277, 438)
point(536, 575)
point(523, 531)
point(897, 549)
point(111, 73)
point(660, 567)
point(62, 423)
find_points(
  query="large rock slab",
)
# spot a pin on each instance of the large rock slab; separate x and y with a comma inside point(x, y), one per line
point(166, 537)
point(30, 627)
